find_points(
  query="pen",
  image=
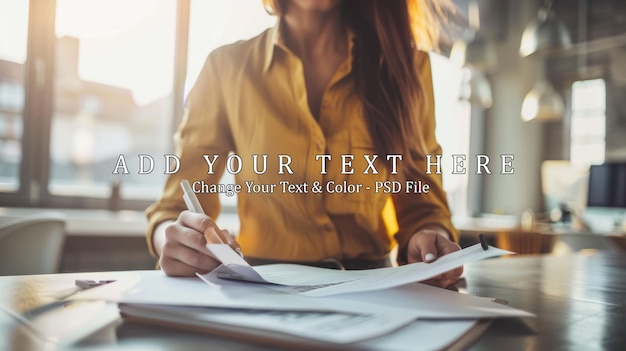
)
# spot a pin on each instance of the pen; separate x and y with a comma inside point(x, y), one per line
point(483, 242)
point(191, 200)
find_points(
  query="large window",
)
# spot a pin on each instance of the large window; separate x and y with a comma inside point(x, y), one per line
point(13, 40)
point(588, 124)
point(112, 95)
point(85, 81)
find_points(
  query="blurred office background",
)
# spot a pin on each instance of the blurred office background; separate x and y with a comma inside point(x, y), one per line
point(84, 81)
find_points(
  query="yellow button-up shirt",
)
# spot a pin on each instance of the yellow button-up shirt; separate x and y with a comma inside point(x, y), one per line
point(250, 99)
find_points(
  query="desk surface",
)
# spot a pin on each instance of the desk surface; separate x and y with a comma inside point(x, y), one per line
point(580, 302)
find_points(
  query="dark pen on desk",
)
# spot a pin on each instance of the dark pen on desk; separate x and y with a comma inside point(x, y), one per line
point(189, 196)
point(483, 241)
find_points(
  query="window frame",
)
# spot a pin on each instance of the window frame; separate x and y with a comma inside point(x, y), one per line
point(38, 109)
point(571, 139)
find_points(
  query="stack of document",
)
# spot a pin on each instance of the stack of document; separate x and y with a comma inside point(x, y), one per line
point(295, 306)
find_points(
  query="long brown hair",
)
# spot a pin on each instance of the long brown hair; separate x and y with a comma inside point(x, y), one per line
point(387, 35)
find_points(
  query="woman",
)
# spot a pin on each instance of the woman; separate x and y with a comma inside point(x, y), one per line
point(322, 99)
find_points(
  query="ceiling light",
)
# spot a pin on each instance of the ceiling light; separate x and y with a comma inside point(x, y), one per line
point(545, 33)
point(542, 103)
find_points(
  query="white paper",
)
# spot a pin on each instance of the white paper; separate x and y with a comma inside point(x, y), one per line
point(418, 300)
point(428, 335)
point(233, 266)
point(331, 327)
point(154, 287)
point(435, 303)
point(317, 282)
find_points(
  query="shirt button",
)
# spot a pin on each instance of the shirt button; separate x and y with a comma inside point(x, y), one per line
point(328, 227)
point(320, 145)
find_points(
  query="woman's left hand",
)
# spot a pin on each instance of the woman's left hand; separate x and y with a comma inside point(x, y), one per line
point(426, 246)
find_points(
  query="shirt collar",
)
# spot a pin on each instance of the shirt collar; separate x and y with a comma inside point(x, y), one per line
point(276, 40)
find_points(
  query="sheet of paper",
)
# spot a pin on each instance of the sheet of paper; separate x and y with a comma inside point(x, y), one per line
point(384, 278)
point(436, 303)
point(154, 287)
point(233, 266)
point(317, 282)
point(428, 335)
point(418, 300)
point(334, 327)
point(424, 300)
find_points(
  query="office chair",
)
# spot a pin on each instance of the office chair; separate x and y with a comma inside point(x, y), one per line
point(32, 244)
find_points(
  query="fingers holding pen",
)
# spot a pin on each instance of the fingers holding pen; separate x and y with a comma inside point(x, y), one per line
point(184, 251)
point(206, 226)
point(196, 221)
point(182, 261)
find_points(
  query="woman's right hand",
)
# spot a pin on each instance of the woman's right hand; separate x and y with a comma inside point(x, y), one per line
point(183, 245)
